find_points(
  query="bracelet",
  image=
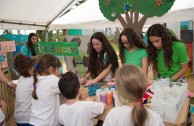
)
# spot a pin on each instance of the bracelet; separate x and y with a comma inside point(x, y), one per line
point(9, 83)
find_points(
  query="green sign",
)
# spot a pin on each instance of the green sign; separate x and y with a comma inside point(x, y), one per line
point(57, 48)
point(72, 32)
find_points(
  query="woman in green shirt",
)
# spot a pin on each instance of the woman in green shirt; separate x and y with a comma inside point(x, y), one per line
point(103, 60)
point(166, 53)
point(132, 49)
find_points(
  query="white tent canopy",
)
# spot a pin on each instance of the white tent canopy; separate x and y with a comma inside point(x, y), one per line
point(31, 14)
point(89, 16)
point(39, 14)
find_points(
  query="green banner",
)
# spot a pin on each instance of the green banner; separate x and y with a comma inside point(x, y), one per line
point(57, 48)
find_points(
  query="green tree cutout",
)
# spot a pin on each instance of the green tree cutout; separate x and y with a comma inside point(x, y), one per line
point(112, 9)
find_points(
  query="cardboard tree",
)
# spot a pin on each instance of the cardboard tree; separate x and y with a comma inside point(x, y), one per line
point(112, 9)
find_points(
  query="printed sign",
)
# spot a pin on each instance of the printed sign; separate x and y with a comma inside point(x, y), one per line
point(3, 60)
point(57, 48)
point(7, 46)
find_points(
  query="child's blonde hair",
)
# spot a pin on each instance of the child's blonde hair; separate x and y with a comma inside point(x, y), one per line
point(132, 81)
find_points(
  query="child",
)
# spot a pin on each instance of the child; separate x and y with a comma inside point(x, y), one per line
point(25, 67)
point(45, 103)
point(76, 113)
point(131, 81)
point(3, 112)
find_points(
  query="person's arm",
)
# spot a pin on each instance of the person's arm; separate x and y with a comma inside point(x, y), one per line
point(85, 78)
point(100, 76)
point(6, 81)
point(145, 65)
point(3, 107)
point(181, 72)
point(25, 50)
point(155, 74)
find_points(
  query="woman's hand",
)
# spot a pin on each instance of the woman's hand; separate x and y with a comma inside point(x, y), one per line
point(91, 82)
point(83, 80)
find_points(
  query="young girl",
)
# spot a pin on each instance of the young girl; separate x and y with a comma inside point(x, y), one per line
point(28, 49)
point(45, 103)
point(131, 81)
point(103, 60)
point(24, 66)
point(74, 112)
point(167, 54)
point(132, 49)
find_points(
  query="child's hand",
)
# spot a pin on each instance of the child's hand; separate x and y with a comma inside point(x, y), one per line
point(12, 85)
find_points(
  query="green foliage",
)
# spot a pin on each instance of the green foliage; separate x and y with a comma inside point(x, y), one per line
point(150, 9)
point(110, 8)
point(6, 31)
point(40, 34)
point(52, 35)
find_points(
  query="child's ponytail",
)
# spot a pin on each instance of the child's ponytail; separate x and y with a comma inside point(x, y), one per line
point(139, 115)
point(34, 95)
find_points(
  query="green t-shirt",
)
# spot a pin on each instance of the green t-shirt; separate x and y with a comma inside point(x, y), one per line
point(135, 57)
point(179, 57)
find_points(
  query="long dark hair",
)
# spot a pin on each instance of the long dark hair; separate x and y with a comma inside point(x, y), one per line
point(133, 38)
point(167, 37)
point(42, 67)
point(96, 64)
point(30, 45)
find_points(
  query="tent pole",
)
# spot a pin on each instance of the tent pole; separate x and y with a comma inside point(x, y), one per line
point(46, 35)
point(59, 13)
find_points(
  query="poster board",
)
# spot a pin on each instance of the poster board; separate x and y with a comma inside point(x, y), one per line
point(57, 48)
point(6, 46)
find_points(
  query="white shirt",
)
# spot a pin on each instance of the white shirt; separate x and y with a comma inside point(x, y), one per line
point(23, 100)
point(2, 117)
point(80, 113)
point(45, 110)
point(121, 116)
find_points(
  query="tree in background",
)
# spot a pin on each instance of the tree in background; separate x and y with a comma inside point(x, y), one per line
point(6, 31)
point(52, 35)
point(112, 9)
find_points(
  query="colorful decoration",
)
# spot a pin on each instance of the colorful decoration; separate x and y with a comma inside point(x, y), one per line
point(7, 46)
point(158, 2)
point(127, 7)
point(113, 14)
point(110, 8)
point(108, 2)
point(152, 8)
point(3, 60)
